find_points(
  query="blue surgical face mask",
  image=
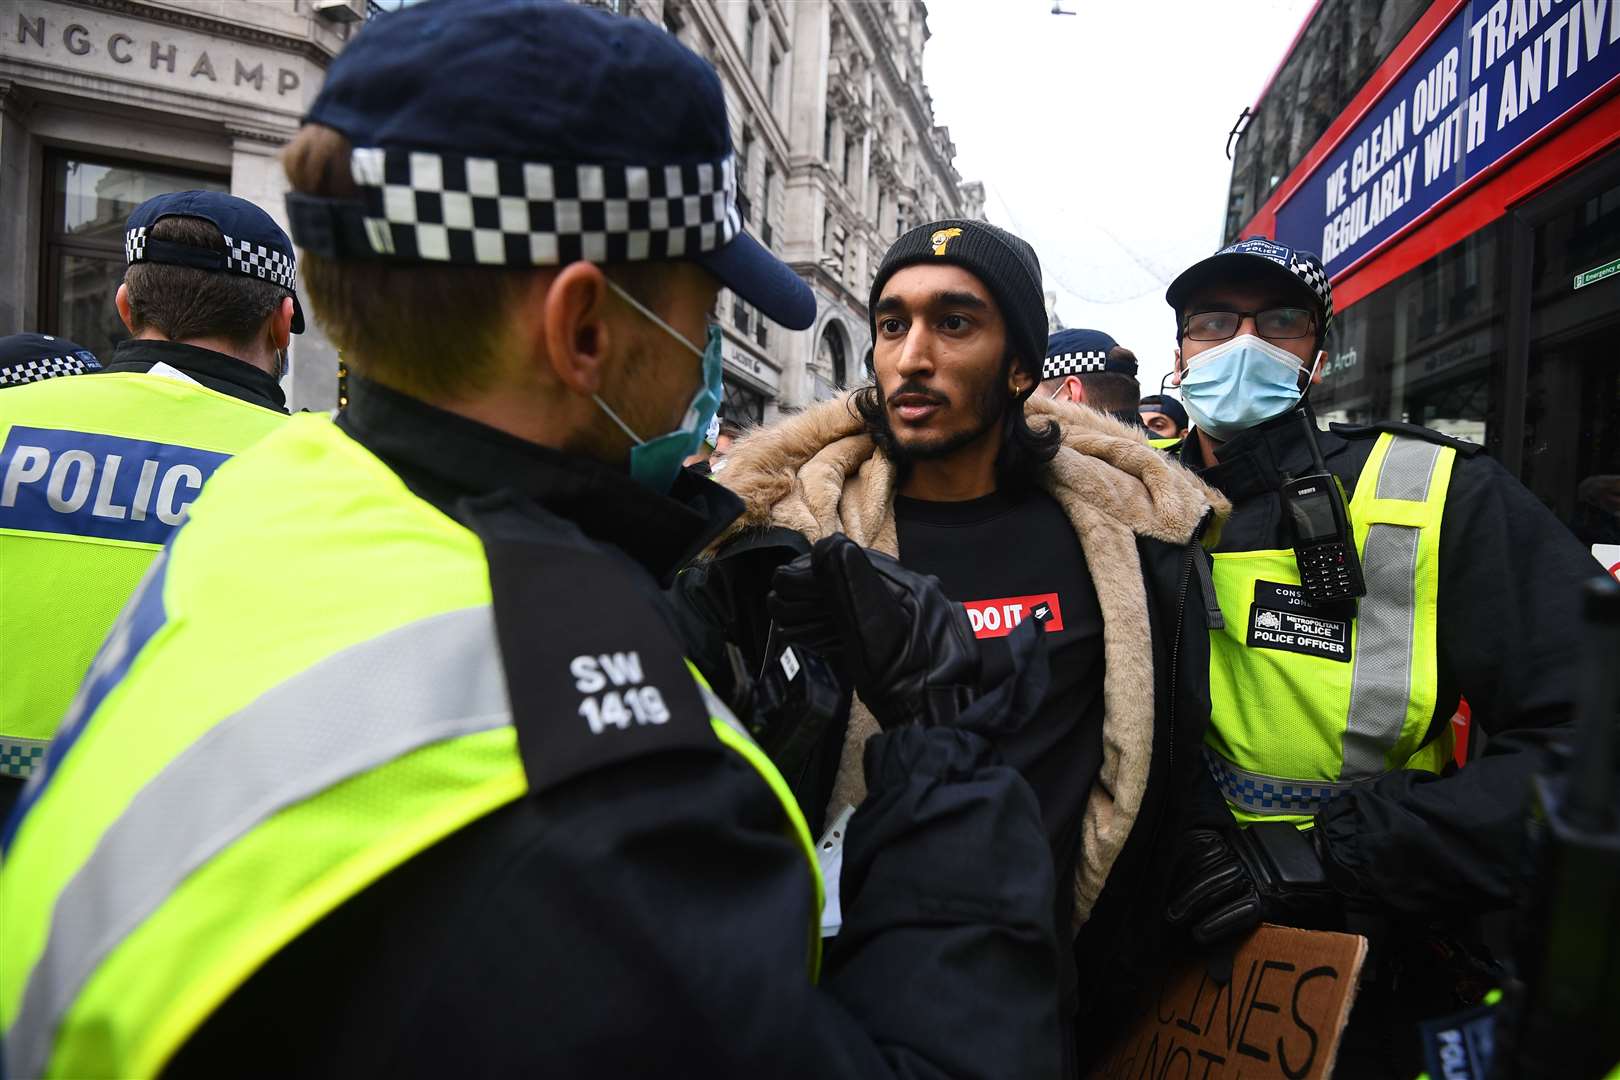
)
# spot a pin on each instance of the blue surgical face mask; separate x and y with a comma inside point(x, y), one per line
point(1238, 384)
point(657, 461)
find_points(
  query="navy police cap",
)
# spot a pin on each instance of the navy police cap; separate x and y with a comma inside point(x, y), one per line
point(536, 133)
point(1299, 269)
point(1084, 352)
point(1169, 406)
point(26, 358)
point(255, 246)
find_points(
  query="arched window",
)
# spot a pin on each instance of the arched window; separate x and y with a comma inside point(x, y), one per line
point(833, 354)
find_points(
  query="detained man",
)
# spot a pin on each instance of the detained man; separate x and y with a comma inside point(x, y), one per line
point(1022, 509)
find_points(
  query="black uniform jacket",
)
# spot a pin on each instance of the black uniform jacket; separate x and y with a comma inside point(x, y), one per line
point(1508, 638)
point(1122, 951)
point(651, 917)
point(226, 374)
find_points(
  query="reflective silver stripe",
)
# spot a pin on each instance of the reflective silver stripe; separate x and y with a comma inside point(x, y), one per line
point(1408, 470)
point(354, 711)
point(1381, 679)
point(718, 710)
point(1262, 794)
point(19, 756)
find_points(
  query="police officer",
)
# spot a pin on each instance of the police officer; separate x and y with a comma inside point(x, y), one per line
point(1330, 731)
point(1089, 367)
point(27, 358)
point(1165, 418)
point(435, 792)
point(96, 473)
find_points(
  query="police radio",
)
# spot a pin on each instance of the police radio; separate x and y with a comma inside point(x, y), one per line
point(1324, 546)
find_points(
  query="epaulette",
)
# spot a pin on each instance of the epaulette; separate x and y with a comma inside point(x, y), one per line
point(594, 674)
point(1398, 427)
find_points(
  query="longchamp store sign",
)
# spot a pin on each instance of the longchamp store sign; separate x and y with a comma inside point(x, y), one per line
point(1494, 77)
point(136, 50)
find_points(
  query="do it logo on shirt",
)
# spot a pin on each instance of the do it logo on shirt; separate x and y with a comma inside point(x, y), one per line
point(998, 618)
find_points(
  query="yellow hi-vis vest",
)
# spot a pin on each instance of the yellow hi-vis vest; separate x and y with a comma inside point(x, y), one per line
point(251, 750)
point(1304, 704)
point(95, 474)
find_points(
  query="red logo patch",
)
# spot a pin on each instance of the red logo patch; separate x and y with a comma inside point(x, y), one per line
point(998, 618)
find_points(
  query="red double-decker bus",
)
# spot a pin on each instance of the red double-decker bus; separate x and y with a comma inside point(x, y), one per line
point(1457, 165)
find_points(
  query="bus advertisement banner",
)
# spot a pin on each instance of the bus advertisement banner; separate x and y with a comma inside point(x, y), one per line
point(1493, 77)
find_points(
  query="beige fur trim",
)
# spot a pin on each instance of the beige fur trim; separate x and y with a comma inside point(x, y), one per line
point(819, 473)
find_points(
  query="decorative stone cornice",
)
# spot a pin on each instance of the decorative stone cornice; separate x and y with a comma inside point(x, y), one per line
point(260, 135)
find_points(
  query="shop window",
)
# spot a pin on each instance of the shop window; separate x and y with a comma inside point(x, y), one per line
point(1426, 348)
point(742, 404)
point(1572, 401)
point(88, 203)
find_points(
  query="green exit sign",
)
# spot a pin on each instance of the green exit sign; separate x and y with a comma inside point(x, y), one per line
point(1597, 273)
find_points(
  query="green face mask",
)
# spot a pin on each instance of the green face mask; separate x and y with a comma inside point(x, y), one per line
point(657, 461)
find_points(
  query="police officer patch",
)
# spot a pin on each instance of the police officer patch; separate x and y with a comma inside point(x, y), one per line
point(1281, 619)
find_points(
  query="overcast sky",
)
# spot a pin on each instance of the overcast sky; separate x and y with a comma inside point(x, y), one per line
point(1100, 137)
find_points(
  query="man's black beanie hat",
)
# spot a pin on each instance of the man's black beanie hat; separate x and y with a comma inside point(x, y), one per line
point(1006, 264)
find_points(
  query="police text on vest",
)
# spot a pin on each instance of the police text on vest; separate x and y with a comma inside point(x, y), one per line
point(86, 484)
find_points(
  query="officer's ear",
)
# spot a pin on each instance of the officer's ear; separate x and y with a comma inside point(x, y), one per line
point(281, 321)
point(1180, 369)
point(121, 302)
point(571, 328)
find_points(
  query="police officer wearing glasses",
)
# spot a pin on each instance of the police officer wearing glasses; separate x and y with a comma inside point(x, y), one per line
point(395, 766)
point(1368, 579)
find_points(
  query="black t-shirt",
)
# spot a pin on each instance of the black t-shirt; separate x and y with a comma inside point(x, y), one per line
point(1002, 556)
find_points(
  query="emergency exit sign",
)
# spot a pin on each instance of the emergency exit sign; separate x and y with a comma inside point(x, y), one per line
point(1597, 273)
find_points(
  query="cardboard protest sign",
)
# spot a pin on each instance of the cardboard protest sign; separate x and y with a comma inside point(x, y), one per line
point(1280, 1016)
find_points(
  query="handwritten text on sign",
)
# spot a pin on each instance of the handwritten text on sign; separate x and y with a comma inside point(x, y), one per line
point(1280, 1016)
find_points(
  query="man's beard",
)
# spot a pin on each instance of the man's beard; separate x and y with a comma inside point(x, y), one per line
point(991, 403)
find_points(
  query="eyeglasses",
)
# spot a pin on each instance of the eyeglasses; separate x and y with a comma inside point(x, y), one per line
point(1273, 324)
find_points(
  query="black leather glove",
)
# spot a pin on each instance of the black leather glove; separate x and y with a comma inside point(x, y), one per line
point(907, 648)
point(1227, 881)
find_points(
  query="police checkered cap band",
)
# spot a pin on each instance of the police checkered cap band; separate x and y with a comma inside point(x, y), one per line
point(258, 261)
point(1305, 266)
point(46, 368)
point(240, 256)
point(1074, 363)
point(422, 206)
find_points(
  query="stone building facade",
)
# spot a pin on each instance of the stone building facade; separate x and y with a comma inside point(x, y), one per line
point(105, 103)
point(838, 154)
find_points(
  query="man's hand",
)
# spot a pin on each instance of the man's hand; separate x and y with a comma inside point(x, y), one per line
point(907, 648)
point(1227, 881)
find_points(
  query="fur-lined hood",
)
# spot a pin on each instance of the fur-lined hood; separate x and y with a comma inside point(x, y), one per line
point(819, 473)
point(792, 472)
